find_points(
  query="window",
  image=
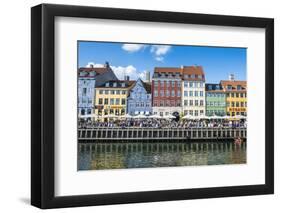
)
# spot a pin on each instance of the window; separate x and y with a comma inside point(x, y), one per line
point(196, 102)
point(201, 103)
point(100, 101)
point(123, 101)
point(155, 83)
point(173, 83)
point(114, 84)
point(179, 103)
point(190, 84)
point(124, 92)
point(155, 103)
point(162, 83)
point(179, 93)
point(232, 95)
point(111, 101)
point(173, 93)
point(185, 103)
point(107, 84)
point(99, 112)
point(196, 112)
point(111, 111)
point(237, 95)
point(117, 101)
point(106, 92)
point(117, 92)
point(161, 103)
point(201, 93)
point(123, 85)
point(238, 87)
point(185, 93)
point(227, 104)
point(147, 104)
point(237, 104)
point(190, 102)
point(84, 91)
point(167, 103)
point(190, 93)
point(178, 83)
point(156, 93)
point(196, 93)
point(112, 92)
point(168, 83)
point(201, 112)
point(167, 93)
point(232, 104)
point(245, 104)
point(229, 87)
point(106, 101)
point(106, 112)
point(162, 93)
point(185, 84)
point(242, 104)
point(191, 112)
point(101, 92)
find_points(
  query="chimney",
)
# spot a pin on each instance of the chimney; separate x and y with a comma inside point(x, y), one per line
point(106, 64)
point(147, 76)
point(231, 77)
point(127, 78)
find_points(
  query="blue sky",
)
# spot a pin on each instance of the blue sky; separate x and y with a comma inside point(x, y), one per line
point(135, 59)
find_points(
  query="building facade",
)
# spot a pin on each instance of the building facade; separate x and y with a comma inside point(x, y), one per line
point(166, 91)
point(139, 99)
point(111, 98)
point(193, 90)
point(88, 79)
point(215, 100)
point(236, 97)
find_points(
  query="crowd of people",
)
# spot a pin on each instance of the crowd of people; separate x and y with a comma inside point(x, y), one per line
point(163, 123)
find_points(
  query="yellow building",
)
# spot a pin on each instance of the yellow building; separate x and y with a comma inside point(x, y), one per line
point(236, 97)
point(111, 99)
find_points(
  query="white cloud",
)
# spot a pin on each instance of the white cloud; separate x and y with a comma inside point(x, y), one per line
point(93, 64)
point(159, 58)
point(133, 47)
point(130, 71)
point(159, 51)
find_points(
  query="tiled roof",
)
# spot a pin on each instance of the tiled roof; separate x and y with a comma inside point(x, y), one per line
point(147, 86)
point(234, 84)
point(98, 70)
point(128, 84)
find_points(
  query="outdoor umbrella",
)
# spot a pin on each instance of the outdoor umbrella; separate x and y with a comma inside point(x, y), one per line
point(169, 116)
point(155, 116)
point(140, 116)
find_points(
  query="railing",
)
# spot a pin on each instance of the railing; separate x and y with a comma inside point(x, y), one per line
point(160, 133)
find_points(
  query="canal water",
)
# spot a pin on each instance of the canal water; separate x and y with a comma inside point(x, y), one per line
point(97, 156)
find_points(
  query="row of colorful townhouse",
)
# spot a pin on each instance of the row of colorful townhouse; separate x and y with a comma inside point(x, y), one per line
point(176, 91)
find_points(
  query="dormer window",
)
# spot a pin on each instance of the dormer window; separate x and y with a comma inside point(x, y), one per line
point(123, 84)
point(114, 84)
point(107, 84)
point(239, 87)
point(229, 87)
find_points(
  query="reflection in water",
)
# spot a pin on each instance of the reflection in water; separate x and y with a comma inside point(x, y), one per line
point(143, 155)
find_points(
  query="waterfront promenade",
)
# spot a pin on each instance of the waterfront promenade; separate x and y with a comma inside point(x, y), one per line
point(103, 134)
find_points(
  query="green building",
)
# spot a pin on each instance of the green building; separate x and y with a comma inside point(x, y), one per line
point(215, 100)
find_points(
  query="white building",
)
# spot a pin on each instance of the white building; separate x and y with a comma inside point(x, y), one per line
point(193, 90)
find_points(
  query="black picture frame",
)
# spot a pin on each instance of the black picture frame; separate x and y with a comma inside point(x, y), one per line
point(43, 105)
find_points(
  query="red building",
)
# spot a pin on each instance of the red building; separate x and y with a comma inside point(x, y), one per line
point(166, 91)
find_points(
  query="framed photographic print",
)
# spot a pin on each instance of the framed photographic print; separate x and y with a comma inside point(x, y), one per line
point(139, 106)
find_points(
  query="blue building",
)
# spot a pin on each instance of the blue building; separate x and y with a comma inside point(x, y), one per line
point(88, 79)
point(139, 99)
